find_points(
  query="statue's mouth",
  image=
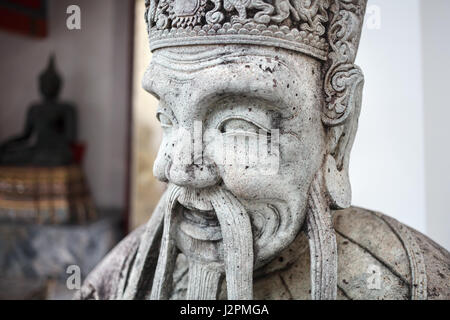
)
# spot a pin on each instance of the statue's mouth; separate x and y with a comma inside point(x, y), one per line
point(200, 224)
point(204, 218)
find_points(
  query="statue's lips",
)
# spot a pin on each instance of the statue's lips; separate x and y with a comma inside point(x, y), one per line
point(204, 218)
point(200, 225)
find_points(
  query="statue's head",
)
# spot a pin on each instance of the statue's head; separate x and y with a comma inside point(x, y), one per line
point(259, 102)
point(50, 82)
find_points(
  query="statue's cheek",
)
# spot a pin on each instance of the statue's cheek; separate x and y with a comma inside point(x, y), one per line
point(250, 183)
point(163, 159)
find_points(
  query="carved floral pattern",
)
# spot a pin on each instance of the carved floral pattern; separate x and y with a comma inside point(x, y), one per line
point(306, 15)
point(299, 16)
point(343, 77)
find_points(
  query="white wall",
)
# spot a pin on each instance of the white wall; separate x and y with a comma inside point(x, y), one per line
point(94, 64)
point(436, 66)
point(387, 167)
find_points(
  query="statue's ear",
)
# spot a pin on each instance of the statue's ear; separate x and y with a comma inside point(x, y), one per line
point(341, 116)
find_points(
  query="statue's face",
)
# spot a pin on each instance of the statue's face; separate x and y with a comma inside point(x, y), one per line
point(50, 87)
point(237, 91)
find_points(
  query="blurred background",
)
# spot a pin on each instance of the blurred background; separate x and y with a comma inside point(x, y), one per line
point(59, 217)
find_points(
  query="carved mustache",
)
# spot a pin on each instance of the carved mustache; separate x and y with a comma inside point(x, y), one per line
point(160, 234)
point(195, 199)
point(237, 243)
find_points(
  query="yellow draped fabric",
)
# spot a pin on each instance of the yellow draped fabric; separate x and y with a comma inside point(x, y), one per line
point(45, 195)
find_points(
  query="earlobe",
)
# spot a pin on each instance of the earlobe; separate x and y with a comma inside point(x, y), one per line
point(337, 185)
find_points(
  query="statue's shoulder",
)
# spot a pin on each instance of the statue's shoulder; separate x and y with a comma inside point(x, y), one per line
point(103, 282)
point(378, 258)
point(381, 258)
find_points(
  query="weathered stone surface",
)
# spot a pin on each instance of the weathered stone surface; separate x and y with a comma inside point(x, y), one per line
point(373, 235)
point(437, 264)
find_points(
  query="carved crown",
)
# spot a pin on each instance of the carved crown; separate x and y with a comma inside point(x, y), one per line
point(328, 30)
point(298, 25)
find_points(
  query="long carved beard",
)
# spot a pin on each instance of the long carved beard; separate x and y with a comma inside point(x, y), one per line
point(205, 278)
point(322, 243)
point(237, 244)
point(162, 283)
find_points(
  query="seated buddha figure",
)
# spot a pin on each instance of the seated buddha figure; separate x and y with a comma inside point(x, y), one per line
point(273, 221)
point(50, 129)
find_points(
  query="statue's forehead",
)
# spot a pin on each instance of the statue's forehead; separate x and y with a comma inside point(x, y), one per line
point(196, 58)
point(213, 64)
point(198, 79)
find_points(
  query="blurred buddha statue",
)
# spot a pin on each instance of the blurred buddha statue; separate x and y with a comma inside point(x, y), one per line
point(41, 177)
point(50, 128)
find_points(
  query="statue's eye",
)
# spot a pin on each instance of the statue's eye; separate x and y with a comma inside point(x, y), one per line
point(240, 126)
point(165, 121)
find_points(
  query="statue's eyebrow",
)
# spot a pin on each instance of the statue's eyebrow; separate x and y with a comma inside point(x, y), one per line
point(150, 86)
point(207, 95)
point(266, 97)
point(158, 83)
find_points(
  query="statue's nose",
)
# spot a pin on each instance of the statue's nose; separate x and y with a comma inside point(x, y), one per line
point(193, 175)
point(189, 168)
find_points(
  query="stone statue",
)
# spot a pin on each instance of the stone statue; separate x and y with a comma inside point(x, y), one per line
point(50, 128)
point(276, 222)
